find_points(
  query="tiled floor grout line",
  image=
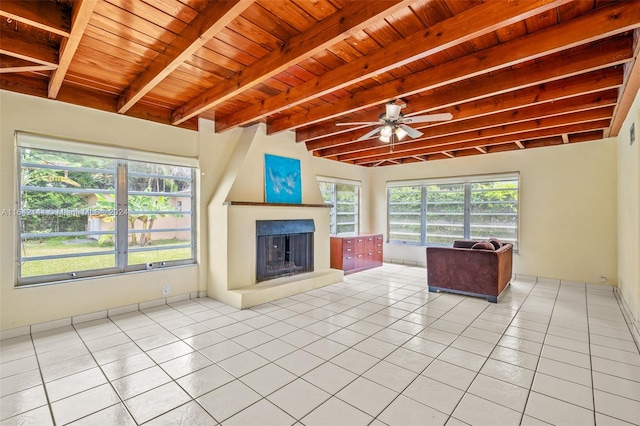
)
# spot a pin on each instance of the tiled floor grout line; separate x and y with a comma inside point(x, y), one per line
point(348, 347)
point(361, 375)
point(555, 300)
point(489, 356)
point(593, 390)
point(380, 360)
point(390, 289)
point(126, 407)
point(44, 387)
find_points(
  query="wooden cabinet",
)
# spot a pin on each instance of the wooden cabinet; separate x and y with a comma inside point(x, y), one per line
point(356, 253)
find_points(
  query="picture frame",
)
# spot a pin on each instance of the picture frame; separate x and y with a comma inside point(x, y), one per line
point(282, 180)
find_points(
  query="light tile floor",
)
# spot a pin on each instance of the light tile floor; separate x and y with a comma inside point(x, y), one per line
point(376, 349)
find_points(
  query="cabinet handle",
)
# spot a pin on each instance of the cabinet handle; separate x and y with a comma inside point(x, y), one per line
point(348, 249)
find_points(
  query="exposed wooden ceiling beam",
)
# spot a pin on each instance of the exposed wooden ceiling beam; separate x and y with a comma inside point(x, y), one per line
point(13, 65)
point(215, 17)
point(28, 48)
point(631, 88)
point(601, 23)
point(354, 17)
point(475, 125)
point(549, 79)
point(448, 154)
point(603, 113)
point(481, 149)
point(453, 147)
point(45, 15)
point(520, 144)
point(565, 138)
point(26, 68)
point(476, 21)
point(82, 10)
point(590, 82)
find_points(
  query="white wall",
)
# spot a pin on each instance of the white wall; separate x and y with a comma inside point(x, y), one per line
point(629, 211)
point(567, 207)
point(24, 306)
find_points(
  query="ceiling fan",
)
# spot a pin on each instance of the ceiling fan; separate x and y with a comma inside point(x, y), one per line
point(393, 122)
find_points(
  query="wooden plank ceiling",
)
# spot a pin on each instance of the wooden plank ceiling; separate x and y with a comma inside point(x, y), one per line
point(513, 74)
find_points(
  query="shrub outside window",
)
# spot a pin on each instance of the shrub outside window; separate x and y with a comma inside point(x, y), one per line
point(82, 215)
point(438, 212)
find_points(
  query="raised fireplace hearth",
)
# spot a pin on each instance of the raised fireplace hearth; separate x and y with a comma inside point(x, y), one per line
point(283, 248)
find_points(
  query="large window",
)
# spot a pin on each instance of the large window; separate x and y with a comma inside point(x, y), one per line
point(83, 215)
point(437, 212)
point(344, 213)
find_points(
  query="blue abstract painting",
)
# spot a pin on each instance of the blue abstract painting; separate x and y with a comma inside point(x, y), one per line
point(282, 180)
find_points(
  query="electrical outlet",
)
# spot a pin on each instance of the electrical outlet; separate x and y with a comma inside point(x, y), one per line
point(165, 290)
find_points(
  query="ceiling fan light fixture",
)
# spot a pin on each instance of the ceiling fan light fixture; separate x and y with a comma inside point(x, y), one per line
point(401, 133)
point(393, 111)
point(385, 139)
point(386, 132)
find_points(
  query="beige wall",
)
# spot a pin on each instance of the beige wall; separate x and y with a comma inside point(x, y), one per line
point(232, 227)
point(24, 306)
point(629, 211)
point(579, 204)
point(567, 224)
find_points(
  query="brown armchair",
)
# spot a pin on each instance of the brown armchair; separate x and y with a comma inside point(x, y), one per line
point(473, 272)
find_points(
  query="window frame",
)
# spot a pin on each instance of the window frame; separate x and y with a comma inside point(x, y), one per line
point(333, 221)
point(121, 193)
point(467, 182)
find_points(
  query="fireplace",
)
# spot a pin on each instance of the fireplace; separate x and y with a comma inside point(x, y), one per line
point(284, 247)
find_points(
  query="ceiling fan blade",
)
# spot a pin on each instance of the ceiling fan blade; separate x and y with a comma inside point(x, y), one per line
point(393, 111)
point(411, 131)
point(369, 134)
point(358, 123)
point(427, 118)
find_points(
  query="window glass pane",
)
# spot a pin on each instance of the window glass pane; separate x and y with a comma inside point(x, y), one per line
point(344, 213)
point(159, 205)
point(68, 217)
point(59, 219)
point(494, 211)
point(326, 189)
point(445, 213)
point(346, 209)
point(405, 207)
point(451, 211)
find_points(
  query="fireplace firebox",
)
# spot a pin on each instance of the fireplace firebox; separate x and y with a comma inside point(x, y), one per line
point(284, 247)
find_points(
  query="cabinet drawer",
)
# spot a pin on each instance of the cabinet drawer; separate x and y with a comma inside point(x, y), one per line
point(370, 258)
point(359, 244)
point(348, 262)
point(369, 243)
point(348, 250)
point(360, 260)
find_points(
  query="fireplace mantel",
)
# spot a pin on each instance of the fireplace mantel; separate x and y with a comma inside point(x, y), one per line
point(259, 204)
